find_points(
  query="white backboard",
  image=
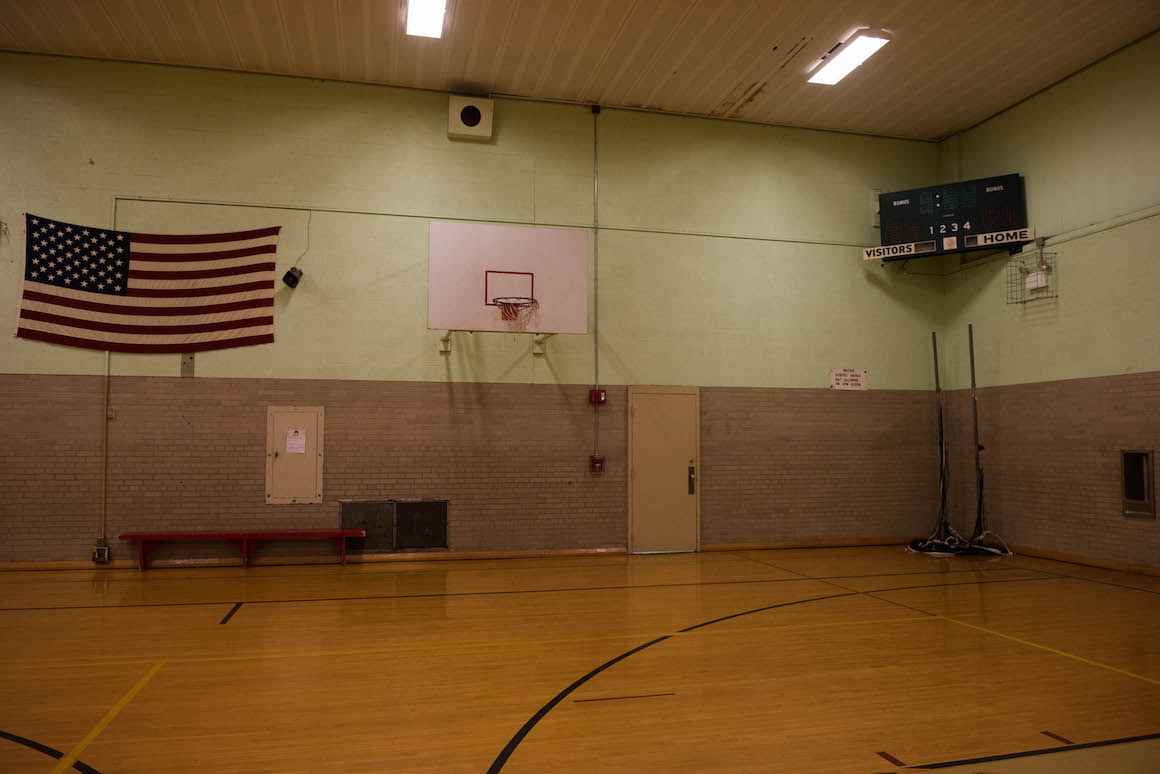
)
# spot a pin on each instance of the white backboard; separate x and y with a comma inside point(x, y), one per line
point(471, 264)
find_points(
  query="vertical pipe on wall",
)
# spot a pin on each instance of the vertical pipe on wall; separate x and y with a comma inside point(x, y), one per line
point(104, 536)
point(596, 274)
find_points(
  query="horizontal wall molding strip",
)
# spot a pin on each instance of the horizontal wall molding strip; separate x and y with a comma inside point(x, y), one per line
point(420, 216)
point(1104, 225)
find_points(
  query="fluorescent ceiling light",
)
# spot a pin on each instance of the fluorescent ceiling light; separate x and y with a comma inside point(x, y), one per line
point(425, 18)
point(846, 61)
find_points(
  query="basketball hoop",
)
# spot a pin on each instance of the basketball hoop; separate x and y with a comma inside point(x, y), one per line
point(516, 311)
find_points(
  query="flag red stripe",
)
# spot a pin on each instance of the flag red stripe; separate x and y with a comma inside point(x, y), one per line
point(227, 271)
point(187, 257)
point(231, 306)
point(76, 322)
point(201, 239)
point(216, 290)
point(115, 346)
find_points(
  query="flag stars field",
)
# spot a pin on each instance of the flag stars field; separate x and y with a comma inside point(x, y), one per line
point(129, 292)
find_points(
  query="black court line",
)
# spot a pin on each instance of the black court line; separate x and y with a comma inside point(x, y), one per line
point(1041, 751)
point(406, 596)
point(354, 569)
point(1091, 567)
point(963, 583)
point(51, 752)
point(135, 576)
point(703, 624)
point(501, 759)
point(890, 758)
point(900, 604)
point(976, 570)
point(229, 615)
point(779, 567)
point(1057, 737)
point(798, 579)
point(622, 698)
point(526, 728)
point(854, 594)
point(1093, 580)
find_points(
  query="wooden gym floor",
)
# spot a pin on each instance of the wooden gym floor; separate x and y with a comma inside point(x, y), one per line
point(812, 660)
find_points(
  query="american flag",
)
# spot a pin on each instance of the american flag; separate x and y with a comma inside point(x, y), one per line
point(127, 292)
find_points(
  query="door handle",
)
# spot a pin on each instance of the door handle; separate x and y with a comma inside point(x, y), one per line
point(692, 479)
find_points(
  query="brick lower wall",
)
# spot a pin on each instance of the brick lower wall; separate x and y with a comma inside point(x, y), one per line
point(816, 467)
point(50, 466)
point(190, 454)
point(779, 466)
point(1052, 464)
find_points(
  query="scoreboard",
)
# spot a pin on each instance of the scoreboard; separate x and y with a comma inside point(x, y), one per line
point(982, 214)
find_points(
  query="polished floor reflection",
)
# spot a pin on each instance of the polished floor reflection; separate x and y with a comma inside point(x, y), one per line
point(810, 660)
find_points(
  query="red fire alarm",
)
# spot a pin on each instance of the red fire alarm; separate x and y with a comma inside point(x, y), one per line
point(597, 397)
point(596, 463)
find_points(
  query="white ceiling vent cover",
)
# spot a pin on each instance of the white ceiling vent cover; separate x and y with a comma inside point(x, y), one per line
point(469, 118)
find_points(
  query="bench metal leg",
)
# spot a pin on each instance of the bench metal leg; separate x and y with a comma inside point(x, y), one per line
point(142, 554)
point(341, 549)
point(245, 546)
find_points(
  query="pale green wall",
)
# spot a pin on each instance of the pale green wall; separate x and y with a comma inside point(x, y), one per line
point(779, 307)
point(1090, 150)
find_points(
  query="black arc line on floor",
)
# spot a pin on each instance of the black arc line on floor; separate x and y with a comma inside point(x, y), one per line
point(506, 753)
point(51, 752)
point(233, 610)
point(1057, 737)
point(1040, 751)
point(703, 624)
point(622, 698)
point(526, 728)
point(890, 758)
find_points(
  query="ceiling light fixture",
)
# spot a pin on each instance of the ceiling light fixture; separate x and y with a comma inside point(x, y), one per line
point(850, 54)
point(425, 18)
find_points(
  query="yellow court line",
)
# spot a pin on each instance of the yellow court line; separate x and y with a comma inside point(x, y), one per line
point(1029, 643)
point(65, 763)
point(1063, 653)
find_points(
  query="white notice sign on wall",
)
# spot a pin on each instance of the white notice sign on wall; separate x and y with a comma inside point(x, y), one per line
point(295, 441)
point(848, 378)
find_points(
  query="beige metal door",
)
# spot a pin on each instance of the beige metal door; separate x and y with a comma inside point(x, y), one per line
point(664, 456)
point(293, 454)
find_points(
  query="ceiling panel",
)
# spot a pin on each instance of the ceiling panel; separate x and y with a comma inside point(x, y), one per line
point(951, 64)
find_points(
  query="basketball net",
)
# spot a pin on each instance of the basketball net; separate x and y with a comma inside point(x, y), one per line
point(516, 311)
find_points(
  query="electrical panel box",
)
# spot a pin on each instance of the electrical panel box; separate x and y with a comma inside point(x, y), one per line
point(293, 454)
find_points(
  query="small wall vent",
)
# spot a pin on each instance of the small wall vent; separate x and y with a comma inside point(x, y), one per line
point(469, 118)
point(1137, 483)
point(420, 524)
point(377, 517)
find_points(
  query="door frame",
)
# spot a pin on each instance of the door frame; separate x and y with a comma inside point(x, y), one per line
point(664, 389)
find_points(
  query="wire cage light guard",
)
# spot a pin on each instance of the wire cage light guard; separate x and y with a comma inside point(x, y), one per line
point(1031, 277)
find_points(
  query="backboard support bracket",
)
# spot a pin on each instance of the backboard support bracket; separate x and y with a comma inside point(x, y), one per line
point(445, 342)
point(540, 343)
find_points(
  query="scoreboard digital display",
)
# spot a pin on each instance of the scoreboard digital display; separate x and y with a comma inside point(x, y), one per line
point(982, 214)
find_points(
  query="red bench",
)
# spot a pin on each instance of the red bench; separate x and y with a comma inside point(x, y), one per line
point(146, 540)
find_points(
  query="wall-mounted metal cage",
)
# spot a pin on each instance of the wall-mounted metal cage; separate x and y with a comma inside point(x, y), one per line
point(1031, 277)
